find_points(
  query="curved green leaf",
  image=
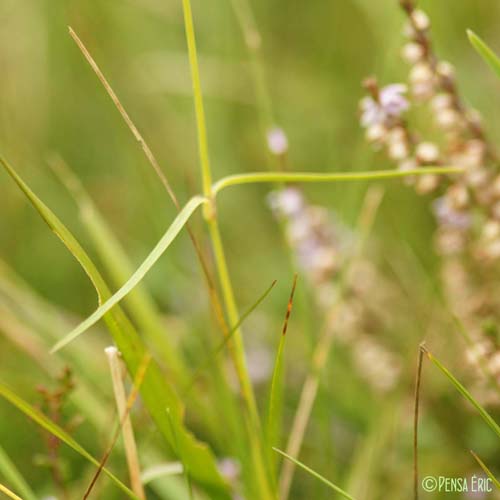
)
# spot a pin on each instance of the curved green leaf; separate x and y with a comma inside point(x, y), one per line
point(485, 52)
point(156, 392)
point(142, 270)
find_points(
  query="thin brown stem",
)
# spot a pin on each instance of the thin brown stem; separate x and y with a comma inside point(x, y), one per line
point(212, 290)
point(422, 349)
point(147, 151)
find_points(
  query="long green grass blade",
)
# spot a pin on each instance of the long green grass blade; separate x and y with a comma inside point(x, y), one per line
point(465, 393)
point(58, 432)
point(140, 304)
point(485, 52)
point(11, 473)
point(276, 177)
point(9, 493)
point(142, 270)
point(485, 468)
point(227, 338)
point(156, 392)
point(276, 393)
point(334, 487)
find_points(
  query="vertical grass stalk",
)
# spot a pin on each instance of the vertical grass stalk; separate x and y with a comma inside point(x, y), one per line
point(209, 211)
point(127, 430)
point(418, 380)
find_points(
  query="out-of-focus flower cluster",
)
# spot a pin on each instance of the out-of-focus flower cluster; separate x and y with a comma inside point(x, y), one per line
point(321, 246)
point(467, 205)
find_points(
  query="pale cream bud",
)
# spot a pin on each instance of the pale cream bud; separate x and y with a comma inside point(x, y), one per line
point(412, 52)
point(427, 152)
point(491, 230)
point(420, 20)
point(376, 133)
point(396, 134)
point(448, 118)
point(442, 101)
point(421, 73)
point(426, 183)
point(445, 69)
point(398, 150)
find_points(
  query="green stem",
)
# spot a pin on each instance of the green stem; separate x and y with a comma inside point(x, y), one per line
point(210, 215)
point(198, 99)
point(289, 177)
point(233, 317)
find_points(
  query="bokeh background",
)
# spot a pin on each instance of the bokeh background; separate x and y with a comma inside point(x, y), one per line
point(315, 56)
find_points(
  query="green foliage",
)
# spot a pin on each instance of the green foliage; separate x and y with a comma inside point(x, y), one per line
point(158, 395)
point(58, 432)
point(313, 473)
point(485, 52)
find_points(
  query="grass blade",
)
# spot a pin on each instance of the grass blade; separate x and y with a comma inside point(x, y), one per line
point(169, 236)
point(9, 493)
point(485, 468)
point(228, 337)
point(334, 487)
point(485, 52)
point(418, 381)
point(276, 393)
point(156, 393)
point(140, 304)
point(288, 177)
point(58, 432)
point(130, 124)
point(465, 393)
point(11, 473)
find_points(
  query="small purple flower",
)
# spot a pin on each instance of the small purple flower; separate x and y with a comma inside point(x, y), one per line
point(286, 202)
point(391, 103)
point(277, 141)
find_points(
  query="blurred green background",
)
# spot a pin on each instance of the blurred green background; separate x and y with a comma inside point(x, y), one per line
point(315, 55)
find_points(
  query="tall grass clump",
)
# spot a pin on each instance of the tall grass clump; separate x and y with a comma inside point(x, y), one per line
point(213, 390)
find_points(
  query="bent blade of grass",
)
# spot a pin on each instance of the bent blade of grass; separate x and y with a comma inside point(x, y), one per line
point(465, 393)
point(486, 470)
point(485, 52)
point(11, 473)
point(58, 432)
point(156, 392)
point(334, 487)
point(276, 393)
point(169, 236)
point(312, 177)
point(140, 303)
